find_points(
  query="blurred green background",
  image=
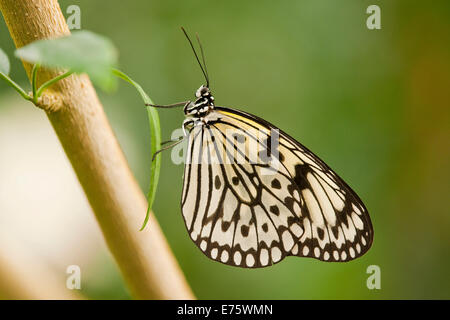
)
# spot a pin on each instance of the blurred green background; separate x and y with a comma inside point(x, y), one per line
point(373, 104)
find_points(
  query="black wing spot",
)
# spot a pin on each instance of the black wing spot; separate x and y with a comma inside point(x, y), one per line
point(335, 230)
point(264, 227)
point(300, 176)
point(244, 230)
point(276, 184)
point(235, 180)
point(289, 202)
point(217, 182)
point(225, 225)
point(274, 209)
point(320, 233)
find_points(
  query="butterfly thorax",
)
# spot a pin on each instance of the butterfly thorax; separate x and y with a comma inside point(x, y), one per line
point(203, 104)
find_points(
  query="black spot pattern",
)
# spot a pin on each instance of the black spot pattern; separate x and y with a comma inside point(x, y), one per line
point(289, 202)
point(225, 225)
point(300, 176)
point(276, 184)
point(274, 209)
point(320, 233)
point(244, 230)
point(217, 183)
point(264, 227)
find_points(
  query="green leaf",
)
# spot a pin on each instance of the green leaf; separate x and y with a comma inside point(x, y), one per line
point(155, 142)
point(4, 63)
point(81, 52)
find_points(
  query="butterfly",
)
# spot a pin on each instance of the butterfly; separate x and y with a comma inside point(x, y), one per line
point(253, 195)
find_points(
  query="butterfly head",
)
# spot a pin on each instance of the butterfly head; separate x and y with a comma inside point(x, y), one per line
point(203, 91)
point(202, 105)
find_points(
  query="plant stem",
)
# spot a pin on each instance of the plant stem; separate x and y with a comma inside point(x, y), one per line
point(33, 81)
point(15, 86)
point(52, 81)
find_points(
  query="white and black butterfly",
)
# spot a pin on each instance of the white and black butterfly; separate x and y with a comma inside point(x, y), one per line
point(255, 213)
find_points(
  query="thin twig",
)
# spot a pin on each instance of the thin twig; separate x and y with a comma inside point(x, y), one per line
point(15, 86)
point(33, 82)
point(52, 81)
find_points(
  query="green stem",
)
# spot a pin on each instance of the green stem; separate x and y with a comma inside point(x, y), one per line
point(141, 91)
point(52, 81)
point(33, 81)
point(15, 86)
point(155, 134)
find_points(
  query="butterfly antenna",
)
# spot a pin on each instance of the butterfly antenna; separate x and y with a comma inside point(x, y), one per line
point(203, 59)
point(196, 56)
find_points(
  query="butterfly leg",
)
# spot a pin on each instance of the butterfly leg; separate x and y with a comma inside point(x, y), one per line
point(186, 124)
point(169, 146)
point(168, 141)
point(173, 105)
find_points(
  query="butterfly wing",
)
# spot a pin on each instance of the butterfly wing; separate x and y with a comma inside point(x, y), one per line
point(251, 213)
point(231, 214)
